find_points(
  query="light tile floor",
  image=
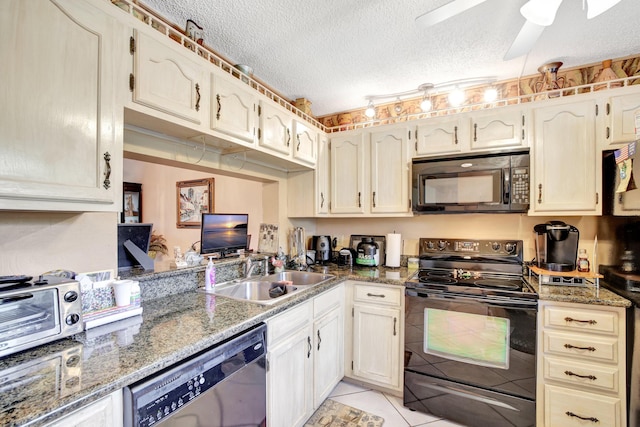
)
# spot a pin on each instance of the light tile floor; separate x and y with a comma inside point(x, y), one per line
point(386, 406)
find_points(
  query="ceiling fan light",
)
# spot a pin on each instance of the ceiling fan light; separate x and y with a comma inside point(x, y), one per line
point(540, 12)
point(596, 7)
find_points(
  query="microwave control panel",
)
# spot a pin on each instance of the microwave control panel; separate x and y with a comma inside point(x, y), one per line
point(520, 185)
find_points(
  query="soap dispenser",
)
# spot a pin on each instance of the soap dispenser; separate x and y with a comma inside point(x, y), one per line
point(209, 276)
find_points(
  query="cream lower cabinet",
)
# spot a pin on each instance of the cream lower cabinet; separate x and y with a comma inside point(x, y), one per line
point(304, 358)
point(61, 131)
point(566, 170)
point(374, 336)
point(104, 412)
point(581, 365)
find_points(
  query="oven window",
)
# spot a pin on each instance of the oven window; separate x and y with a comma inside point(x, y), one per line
point(471, 338)
point(462, 188)
point(30, 314)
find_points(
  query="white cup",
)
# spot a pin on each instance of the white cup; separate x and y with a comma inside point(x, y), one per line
point(122, 291)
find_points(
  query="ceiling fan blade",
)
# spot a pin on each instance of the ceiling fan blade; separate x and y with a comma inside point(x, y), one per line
point(596, 7)
point(445, 12)
point(525, 40)
point(540, 12)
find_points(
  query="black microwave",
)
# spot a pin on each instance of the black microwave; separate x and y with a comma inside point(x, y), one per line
point(489, 182)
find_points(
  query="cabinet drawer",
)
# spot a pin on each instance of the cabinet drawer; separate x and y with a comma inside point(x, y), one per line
point(288, 322)
point(378, 294)
point(581, 374)
point(601, 321)
point(564, 406)
point(594, 348)
point(324, 302)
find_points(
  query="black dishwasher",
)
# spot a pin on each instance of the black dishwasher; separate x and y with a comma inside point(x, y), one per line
point(223, 386)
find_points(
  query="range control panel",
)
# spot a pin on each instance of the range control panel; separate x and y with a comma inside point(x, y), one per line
point(462, 247)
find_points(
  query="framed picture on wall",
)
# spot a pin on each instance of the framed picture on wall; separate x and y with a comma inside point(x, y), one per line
point(193, 199)
point(131, 203)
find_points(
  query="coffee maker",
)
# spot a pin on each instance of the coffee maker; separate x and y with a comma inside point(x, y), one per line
point(556, 246)
point(322, 246)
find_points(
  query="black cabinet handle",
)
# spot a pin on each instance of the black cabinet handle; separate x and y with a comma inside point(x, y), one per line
point(310, 347)
point(395, 321)
point(374, 199)
point(288, 136)
point(197, 97)
point(107, 173)
point(319, 339)
point(592, 419)
point(571, 374)
point(321, 199)
point(570, 319)
point(475, 132)
point(219, 106)
point(570, 346)
point(298, 146)
point(539, 193)
point(369, 294)
point(455, 133)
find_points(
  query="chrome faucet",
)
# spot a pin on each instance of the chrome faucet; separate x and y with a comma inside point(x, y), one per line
point(249, 266)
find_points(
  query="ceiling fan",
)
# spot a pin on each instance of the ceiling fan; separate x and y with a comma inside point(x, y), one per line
point(538, 13)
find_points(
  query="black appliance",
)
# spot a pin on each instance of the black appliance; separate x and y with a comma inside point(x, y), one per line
point(556, 246)
point(346, 257)
point(470, 334)
point(223, 386)
point(356, 239)
point(322, 246)
point(493, 182)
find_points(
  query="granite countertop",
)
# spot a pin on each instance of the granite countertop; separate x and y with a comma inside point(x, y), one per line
point(171, 329)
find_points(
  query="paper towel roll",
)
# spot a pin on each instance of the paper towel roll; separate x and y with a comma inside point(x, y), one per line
point(394, 248)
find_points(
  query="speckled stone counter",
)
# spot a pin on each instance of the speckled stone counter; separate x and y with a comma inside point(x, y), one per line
point(578, 294)
point(173, 326)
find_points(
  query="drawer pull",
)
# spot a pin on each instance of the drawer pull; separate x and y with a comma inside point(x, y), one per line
point(579, 348)
point(591, 377)
point(569, 319)
point(369, 294)
point(592, 419)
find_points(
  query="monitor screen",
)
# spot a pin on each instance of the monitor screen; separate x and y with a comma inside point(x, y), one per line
point(223, 233)
point(140, 235)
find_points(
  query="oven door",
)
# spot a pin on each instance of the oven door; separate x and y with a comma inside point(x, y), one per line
point(484, 342)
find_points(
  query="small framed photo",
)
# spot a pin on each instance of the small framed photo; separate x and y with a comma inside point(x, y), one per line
point(131, 203)
point(193, 199)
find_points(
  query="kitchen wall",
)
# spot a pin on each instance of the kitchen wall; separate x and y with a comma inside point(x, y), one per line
point(232, 195)
point(476, 226)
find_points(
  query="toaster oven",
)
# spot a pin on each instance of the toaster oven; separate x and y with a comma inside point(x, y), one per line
point(32, 314)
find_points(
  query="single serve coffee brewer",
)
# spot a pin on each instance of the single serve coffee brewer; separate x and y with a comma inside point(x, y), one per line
point(556, 246)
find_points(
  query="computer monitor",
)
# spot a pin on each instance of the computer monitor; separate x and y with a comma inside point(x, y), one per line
point(133, 245)
point(223, 234)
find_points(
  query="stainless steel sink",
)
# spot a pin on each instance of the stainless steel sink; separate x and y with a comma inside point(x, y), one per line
point(271, 288)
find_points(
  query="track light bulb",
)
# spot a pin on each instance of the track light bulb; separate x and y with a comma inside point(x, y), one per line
point(370, 111)
point(456, 97)
point(425, 105)
point(490, 94)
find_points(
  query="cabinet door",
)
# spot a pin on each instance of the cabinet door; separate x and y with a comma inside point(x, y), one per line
point(497, 129)
point(105, 412)
point(347, 174)
point(290, 380)
point(628, 203)
point(439, 136)
point(233, 108)
point(61, 134)
point(306, 142)
point(376, 344)
point(390, 171)
point(275, 128)
point(566, 169)
point(328, 367)
point(167, 80)
point(623, 111)
point(322, 177)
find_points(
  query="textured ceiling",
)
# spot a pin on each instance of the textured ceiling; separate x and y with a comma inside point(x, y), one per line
point(336, 52)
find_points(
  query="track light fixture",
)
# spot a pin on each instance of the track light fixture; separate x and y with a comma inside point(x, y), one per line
point(371, 110)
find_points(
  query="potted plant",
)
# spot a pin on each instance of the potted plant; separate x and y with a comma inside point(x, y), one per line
point(157, 244)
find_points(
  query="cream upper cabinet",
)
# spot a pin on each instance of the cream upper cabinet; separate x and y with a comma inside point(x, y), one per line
point(62, 130)
point(566, 171)
point(167, 80)
point(390, 171)
point(622, 111)
point(347, 173)
point(305, 142)
point(442, 135)
point(233, 108)
point(276, 131)
point(501, 128)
